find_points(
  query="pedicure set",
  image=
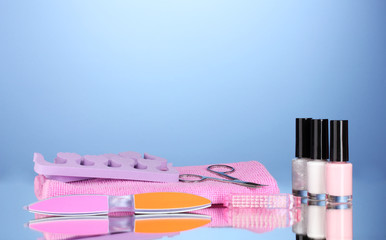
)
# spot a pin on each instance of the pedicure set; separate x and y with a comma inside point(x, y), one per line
point(82, 189)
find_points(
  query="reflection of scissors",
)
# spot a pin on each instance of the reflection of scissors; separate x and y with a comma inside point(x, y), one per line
point(199, 178)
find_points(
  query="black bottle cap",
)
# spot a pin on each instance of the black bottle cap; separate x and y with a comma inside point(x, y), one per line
point(303, 138)
point(319, 139)
point(338, 140)
point(301, 237)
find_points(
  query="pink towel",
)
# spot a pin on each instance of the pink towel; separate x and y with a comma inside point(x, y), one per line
point(215, 191)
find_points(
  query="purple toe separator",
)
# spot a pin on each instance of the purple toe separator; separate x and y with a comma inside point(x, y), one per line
point(69, 167)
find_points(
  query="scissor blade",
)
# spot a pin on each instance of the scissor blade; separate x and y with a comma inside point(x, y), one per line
point(254, 185)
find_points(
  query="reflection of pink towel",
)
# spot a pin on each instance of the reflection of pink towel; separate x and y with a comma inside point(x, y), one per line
point(217, 192)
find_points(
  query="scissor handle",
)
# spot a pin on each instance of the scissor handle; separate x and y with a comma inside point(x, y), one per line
point(198, 178)
point(231, 169)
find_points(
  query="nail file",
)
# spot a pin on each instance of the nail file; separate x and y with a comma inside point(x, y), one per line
point(69, 167)
point(101, 225)
point(144, 203)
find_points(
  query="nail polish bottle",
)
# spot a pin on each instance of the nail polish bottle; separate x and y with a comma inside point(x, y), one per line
point(339, 170)
point(319, 154)
point(339, 221)
point(302, 154)
point(316, 219)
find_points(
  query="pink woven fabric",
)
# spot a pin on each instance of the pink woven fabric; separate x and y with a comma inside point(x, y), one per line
point(215, 191)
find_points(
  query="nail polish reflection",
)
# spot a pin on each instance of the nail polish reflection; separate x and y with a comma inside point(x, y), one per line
point(339, 222)
point(300, 226)
point(316, 215)
point(324, 220)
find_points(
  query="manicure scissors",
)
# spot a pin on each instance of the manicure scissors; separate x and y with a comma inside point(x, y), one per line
point(199, 178)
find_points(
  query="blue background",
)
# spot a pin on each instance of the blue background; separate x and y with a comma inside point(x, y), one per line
point(196, 82)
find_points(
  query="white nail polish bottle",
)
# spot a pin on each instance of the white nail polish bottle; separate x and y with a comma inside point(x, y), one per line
point(316, 186)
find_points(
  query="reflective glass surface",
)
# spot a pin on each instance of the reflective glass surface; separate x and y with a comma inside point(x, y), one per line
point(236, 223)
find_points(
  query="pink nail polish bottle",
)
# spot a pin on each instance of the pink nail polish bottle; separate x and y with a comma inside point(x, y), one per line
point(339, 171)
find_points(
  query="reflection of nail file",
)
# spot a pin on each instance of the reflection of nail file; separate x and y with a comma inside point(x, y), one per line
point(100, 225)
point(69, 167)
point(145, 203)
point(261, 220)
point(129, 236)
point(254, 219)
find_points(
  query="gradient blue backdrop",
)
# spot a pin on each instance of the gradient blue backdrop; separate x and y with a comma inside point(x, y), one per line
point(196, 82)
